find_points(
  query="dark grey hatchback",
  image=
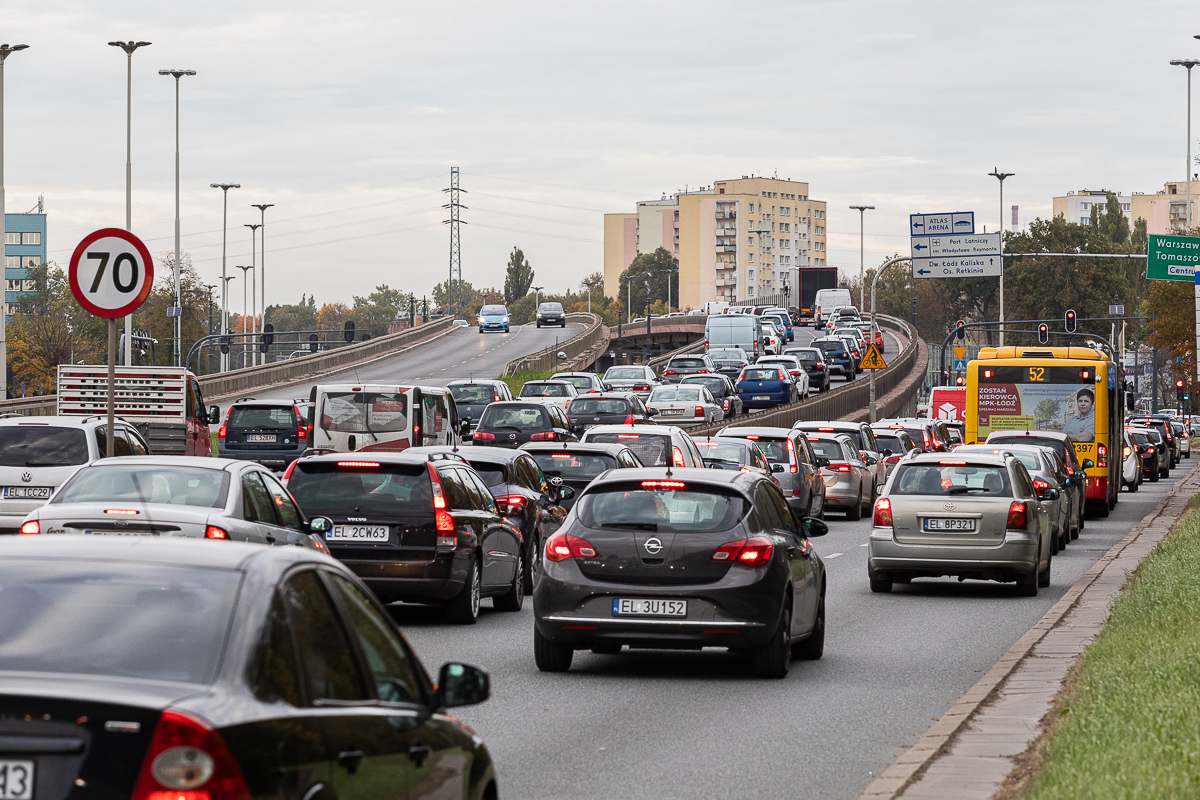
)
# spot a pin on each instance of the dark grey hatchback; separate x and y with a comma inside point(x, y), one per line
point(681, 559)
point(271, 432)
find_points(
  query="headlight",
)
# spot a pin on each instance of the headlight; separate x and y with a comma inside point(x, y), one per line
point(481, 319)
point(505, 319)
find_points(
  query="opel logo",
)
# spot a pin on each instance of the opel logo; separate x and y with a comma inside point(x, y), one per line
point(26, 476)
point(949, 506)
point(653, 546)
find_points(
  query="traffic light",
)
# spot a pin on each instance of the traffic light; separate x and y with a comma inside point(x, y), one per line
point(960, 380)
point(312, 343)
point(268, 338)
point(225, 344)
point(960, 330)
point(1069, 321)
point(349, 334)
point(1044, 332)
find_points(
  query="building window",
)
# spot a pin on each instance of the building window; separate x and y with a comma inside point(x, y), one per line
point(12, 238)
point(750, 257)
point(30, 286)
point(12, 262)
point(12, 285)
point(31, 238)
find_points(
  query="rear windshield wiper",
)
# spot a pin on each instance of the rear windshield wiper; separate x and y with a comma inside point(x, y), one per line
point(47, 464)
point(638, 526)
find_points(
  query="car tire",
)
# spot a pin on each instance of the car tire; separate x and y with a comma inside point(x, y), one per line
point(481, 330)
point(1155, 475)
point(854, 512)
point(1133, 487)
point(1055, 539)
point(515, 596)
point(1028, 585)
point(881, 583)
point(1164, 473)
point(464, 609)
point(813, 647)
point(564, 324)
point(772, 661)
point(1102, 509)
point(1078, 528)
point(533, 563)
point(549, 656)
point(1043, 578)
point(539, 324)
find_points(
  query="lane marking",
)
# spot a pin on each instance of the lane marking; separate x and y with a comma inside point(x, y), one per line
point(864, 544)
point(833, 555)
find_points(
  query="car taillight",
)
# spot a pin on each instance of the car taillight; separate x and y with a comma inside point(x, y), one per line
point(221, 432)
point(725, 404)
point(679, 458)
point(539, 437)
point(792, 465)
point(820, 365)
point(301, 428)
point(699, 411)
point(883, 513)
point(668, 372)
point(188, 760)
point(213, 532)
point(1126, 451)
point(1041, 486)
point(287, 473)
point(510, 504)
point(893, 459)
point(701, 372)
point(310, 431)
point(483, 436)
point(925, 437)
point(641, 388)
point(751, 552)
point(442, 519)
point(629, 420)
point(562, 546)
point(1018, 516)
point(31, 528)
point(1101, 456)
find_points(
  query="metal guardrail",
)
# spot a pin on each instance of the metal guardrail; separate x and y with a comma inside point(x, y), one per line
point(658, 363)
point(581, 345)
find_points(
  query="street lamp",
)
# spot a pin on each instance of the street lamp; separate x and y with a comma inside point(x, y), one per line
point(591, 285)
point(253, 287)
point(262, 246)
point(210, 287)
point(245, 280)
point(862, 287)
point(537, 290)
point(995, 173)
point(224, 187)
point(177, 74)
point(1189, 63)
point(129, 47)
point(5, 51)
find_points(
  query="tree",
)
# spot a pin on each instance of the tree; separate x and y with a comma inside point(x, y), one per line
point(518, 277)
point(470, 298)
point(653, 269)
point(49, 328)
point(152, 316)
point(299, 317)
point(333, 316)
point(373, 312)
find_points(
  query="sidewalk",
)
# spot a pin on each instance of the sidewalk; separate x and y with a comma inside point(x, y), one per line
point(969, 752)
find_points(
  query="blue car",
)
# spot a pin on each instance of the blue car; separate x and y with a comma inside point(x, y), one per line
point(493, 318)
point(765, 386)
point(838, 360)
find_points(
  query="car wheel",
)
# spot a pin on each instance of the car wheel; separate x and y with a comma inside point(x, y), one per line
point(1133, 487)
point(1078, 527)
point(1043, 578)
point(539, 324)
point(515, 596)
point(1164, 473)
point(533, 564)
point(854, 512)
point(1055, 538)
point(1155, 475)
point(773, 660)
point(813, 647)
point(881, 583)
point(464, 609)
point(481, 330)
point(551, 657)
point(1028, 585)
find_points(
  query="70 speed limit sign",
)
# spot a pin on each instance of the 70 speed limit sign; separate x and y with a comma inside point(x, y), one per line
point(111, 273)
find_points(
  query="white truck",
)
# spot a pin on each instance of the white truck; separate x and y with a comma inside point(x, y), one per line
point(164, 403)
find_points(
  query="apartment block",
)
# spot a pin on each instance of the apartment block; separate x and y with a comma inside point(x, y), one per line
point(24, 249)
point(734, 239)
point(1165, 211)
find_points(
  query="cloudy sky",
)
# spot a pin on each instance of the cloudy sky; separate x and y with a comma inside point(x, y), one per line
point(349, 116)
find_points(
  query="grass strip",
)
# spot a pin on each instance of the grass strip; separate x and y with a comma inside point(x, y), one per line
point(518, 379)
point(1131, 727)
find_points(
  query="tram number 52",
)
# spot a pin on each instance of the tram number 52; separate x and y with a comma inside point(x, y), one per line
point(1037, 374)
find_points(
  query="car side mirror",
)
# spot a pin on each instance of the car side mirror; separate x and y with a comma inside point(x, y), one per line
point(822, 461)
point(1050, 494)
point(777, 468)
point(320, 525)
point(1088, 463)
point(652, 412)
point(214, 415)
point(462, 685)
point(813, 527)
point(464, 429)
point(886, 453)
point(577, 429)
point(565, 493)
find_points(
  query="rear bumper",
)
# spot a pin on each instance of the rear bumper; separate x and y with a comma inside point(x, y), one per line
point(280, 456)
point(1014, 558)
point(774, 399)
point(1097, 489)
point(435, 581)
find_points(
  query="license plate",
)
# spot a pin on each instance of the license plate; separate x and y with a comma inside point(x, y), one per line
point(672, 412)
point(358, 533)
point(940, 524)
point(761, 397)
point(265, 438)
point(27, 492)
point(114, 533)
point(650, 608)
point(16, 780)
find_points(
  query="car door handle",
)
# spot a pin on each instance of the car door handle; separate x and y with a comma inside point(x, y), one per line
point(419, 754)
point(270, 538)
point(350, 759)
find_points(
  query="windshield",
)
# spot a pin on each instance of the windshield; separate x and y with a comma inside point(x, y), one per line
point(599, 405)
point(389, 490)
point(519, 417)
point(680, 394)
point(950, 479)
point(364, 412)
point(493, 311)
point(472, 395)
point(271, 418)
point(550, 308)
point(771, 374)
point(715, 385)
point(722, 451)
point(42, 446)
point(147, 621)
point(625, 374)
point(666, 511)
point(651, 449)
point(574, 465)
point(147, 483)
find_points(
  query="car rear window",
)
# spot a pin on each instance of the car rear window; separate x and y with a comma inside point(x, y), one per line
point(893, 443)
point(761, 374)
point(324, 488)
point(42, 446)
point(727, 355)
point(651, 449)
point(517, 417)
point(578, 381)
point(491, 472)
point(673, 510)
point(945, 478)
point(600, 405)
point(687, 363)
point(364, 412)
point(714, 385)
point(1057, 445)
point(827, 448)
point(804, 355)
point(473, 395)
point(722, 452)
point(831, 347)
point(147, 483)
point(574, 465)
point(625, 374)
point(774, 449)
point(146, 621)
point(672, 394)
point(268, 417)
point(544, 390)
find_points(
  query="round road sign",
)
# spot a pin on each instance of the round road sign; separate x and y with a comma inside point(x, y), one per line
point(111, 273)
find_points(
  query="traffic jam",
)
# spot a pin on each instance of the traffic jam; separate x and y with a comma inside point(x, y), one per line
point(178, 625)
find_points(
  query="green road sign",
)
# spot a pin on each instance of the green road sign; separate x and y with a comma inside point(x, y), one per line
point(1173, 258)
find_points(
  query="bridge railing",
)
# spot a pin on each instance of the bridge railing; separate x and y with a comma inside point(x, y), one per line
point(582, 348)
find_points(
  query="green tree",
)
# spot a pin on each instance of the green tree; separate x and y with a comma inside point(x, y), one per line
point(373, 312)
point(518, 277)
point(470, 298)
point(653, 270)
point(299, 317)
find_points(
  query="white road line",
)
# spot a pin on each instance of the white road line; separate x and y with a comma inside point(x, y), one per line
point(833, 555)
point(864, 544)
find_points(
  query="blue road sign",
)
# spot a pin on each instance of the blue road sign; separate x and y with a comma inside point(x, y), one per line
point(954, 222)
point(960, 365)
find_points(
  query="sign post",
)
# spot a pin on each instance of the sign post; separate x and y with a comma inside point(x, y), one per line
point(111, 274)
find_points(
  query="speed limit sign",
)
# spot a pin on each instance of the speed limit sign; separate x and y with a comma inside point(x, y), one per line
point(111, 273)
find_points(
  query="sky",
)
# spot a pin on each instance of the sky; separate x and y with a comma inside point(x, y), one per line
point(349, 117)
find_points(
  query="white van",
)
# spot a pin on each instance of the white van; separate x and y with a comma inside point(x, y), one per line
point(734, 330)
point(366, 418)
point(826, 301)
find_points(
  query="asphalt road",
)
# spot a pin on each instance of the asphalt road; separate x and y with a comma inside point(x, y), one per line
point(665, 724)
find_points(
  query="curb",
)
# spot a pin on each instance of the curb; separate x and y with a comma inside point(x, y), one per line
point(914, 761)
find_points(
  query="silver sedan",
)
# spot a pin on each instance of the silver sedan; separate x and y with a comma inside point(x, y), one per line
point(685, 404)
point(198, 498)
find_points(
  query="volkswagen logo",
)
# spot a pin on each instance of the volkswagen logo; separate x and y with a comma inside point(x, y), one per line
point(512, 436)
point(26, 476)
point(653, 545)
point(949, 506)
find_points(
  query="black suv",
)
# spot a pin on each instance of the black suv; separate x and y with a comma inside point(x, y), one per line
point(611, 408)
point(722, 389)
point(813, 361)
point(472, 397)
point(416, 528)
point(551, 314)
point(271, 432)
point(576, 466)
point(515, 422)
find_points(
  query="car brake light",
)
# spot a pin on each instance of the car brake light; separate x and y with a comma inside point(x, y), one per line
point(221, 432)
point(952, 463)
point(188, 760)
point(1101, 456)
point(1018, 516)
point(725, 404)
point(663, 484)
point(843, 467)
point(31, 528)
point(679, 458)
point(301, 428)
point(1041, 486)
point(791, 448)
point(925, 436)
point(121, 512)
point(893, 459)
point(310, 431)
point(699, 411)
point(213, 532)
point(359, 464)
point(629, 436)
point(510, 503)
point(883, 513)
point(751, 552)
point(562, 546)
point(483, 436)
point(539, 437)
point(826, 430)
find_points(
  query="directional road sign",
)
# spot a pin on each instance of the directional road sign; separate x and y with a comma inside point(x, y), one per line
point(954, 222)
point(111, 273)
point(872, 359)
point(972, 244)
point(957, 267)
point(1172, 258)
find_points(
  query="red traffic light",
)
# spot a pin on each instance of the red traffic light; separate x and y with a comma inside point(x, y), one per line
point(1043, 333)
point(959, 380)
point(1179, 384)
point(1069, 322)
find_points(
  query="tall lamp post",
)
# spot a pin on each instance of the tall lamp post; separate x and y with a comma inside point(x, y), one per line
point(1188, 63)
point(254, 287)
point(262, 264)
point(245, 315)
point(862, 273)
point(995, 173)
point(129, 48)
point(537, 293)
point(224, 187)
point(5, 51)
point(210, 287)
point(668, 273)
point(177, 74)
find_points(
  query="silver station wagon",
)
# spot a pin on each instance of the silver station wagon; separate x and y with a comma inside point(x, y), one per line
point(972, 516)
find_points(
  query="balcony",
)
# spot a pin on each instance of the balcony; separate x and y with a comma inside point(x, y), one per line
point(726, 215)
point(727, 231)
point(727, 248)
